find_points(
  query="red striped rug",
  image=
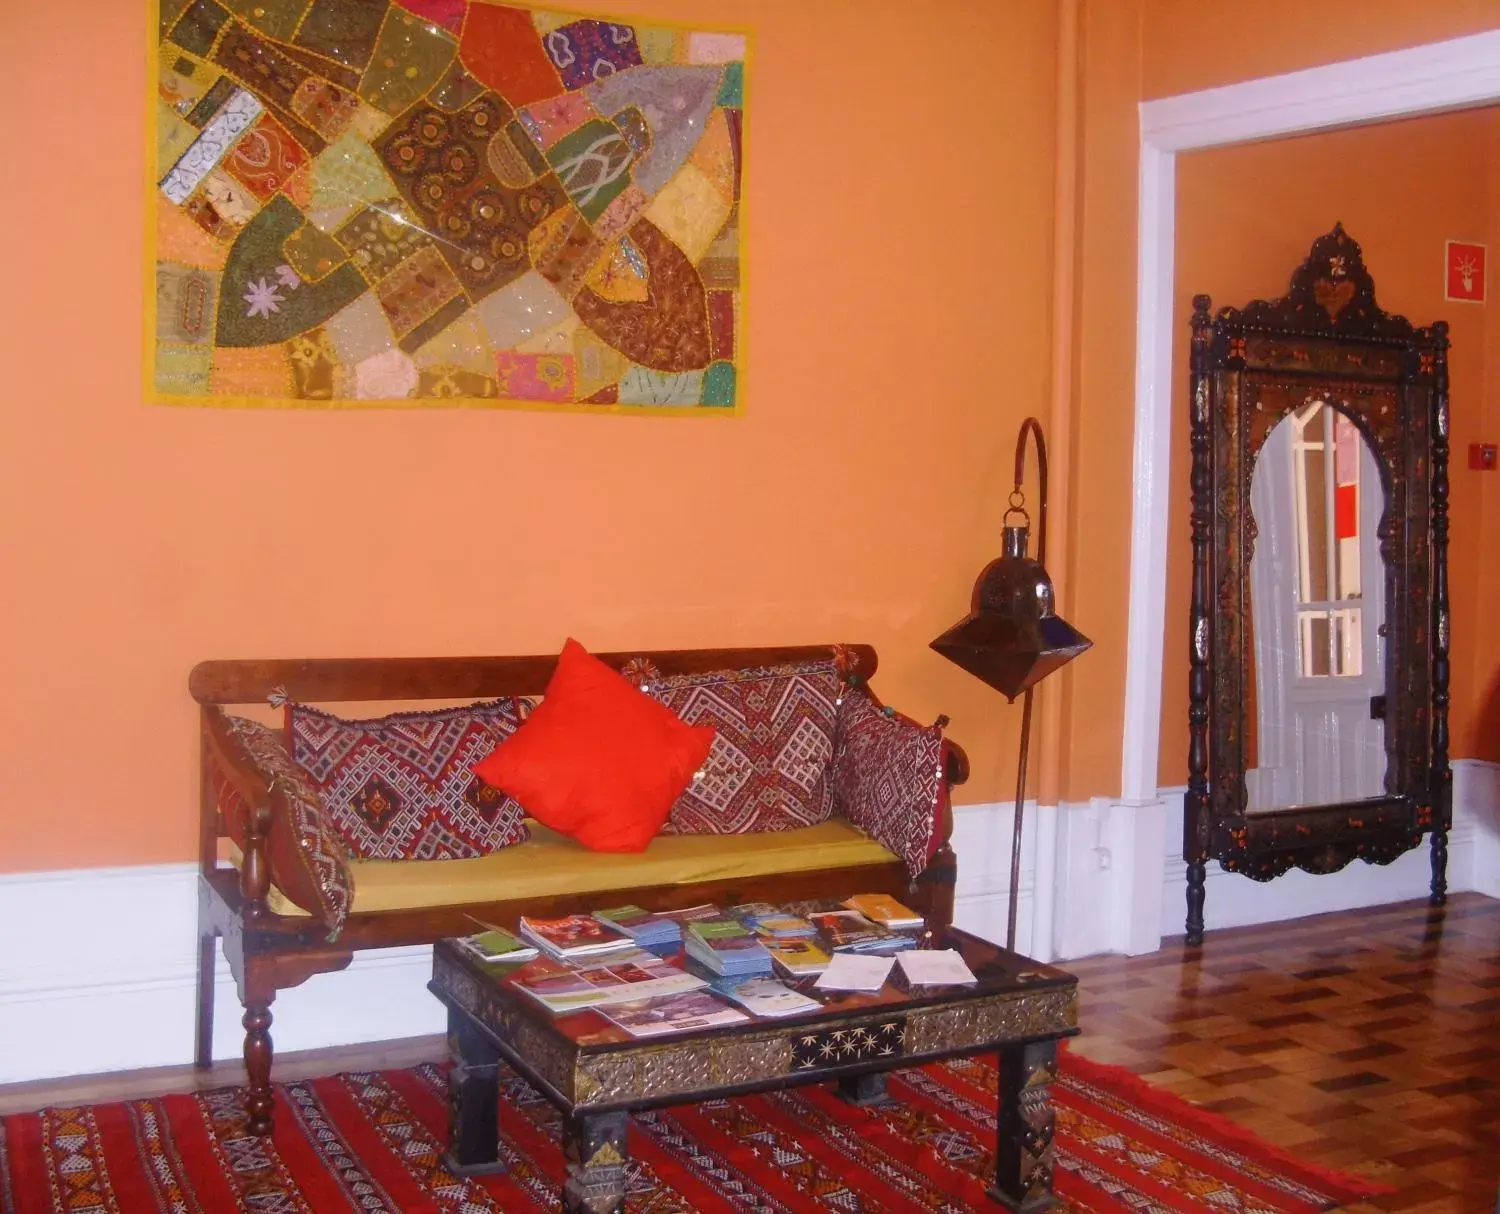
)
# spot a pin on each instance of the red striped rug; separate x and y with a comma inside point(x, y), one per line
point(372, 1142)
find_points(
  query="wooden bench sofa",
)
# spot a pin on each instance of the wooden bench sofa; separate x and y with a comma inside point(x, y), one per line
point(271, 944)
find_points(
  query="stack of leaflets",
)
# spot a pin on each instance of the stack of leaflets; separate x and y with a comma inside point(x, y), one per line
point(625, 977)
point(496, 944)
point(673, 1014)
point(646, 928)
point(701, 913)
point(885, 910)
point(574, 936)
point(726, 947)
point(772, 922)
point(798, 957)
point(766, 996)
point(849, 931)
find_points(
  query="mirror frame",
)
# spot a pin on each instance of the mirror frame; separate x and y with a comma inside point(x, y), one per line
point(1325, 339)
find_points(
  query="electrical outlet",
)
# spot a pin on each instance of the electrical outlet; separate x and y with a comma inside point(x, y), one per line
point(1482, 457)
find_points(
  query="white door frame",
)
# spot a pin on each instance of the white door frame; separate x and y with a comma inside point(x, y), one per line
point(1457, 74)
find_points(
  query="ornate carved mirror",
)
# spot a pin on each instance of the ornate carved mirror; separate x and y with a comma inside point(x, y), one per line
point(1318, 644)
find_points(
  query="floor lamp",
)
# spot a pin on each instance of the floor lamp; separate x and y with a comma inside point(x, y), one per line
point(1012, 638)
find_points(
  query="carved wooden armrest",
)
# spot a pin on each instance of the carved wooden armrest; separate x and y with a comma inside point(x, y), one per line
point(243, 789)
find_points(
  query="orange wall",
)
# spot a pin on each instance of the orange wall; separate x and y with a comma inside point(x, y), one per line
point(1245, 219)
point(899, 214)
point(1187, 45)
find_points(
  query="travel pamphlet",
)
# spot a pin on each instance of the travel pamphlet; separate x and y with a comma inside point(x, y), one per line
point(765, 996)
point(850, 931)
point(764, 919)
point(726, 946)
point(798, 957)
point(855, 972)
point(885, 910)
point(574, 936)
point(497, 944)
point(560, 986)
point(673, 1014)
point(936, 967)
point(647, 928)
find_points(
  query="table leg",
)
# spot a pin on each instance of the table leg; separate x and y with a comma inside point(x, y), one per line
point(473, 1100)
point(865, 1091)
point(596, 1150)
point(1023, 1162)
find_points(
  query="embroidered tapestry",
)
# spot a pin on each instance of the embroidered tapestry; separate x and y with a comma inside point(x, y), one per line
point(444, 202)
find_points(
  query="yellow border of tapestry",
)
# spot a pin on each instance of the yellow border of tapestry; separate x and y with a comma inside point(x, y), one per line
point(160, 151)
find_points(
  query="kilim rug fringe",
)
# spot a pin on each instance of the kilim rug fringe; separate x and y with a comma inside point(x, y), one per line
point(373, 1142)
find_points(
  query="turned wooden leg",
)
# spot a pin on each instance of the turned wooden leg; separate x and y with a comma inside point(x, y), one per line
point(203, 1038)
point(1197, 879)
point(473, 1100)
point(260, 1099)
point(596, 1151)
point(1023, 1162)
point(1439, 868)
point(865, 1090)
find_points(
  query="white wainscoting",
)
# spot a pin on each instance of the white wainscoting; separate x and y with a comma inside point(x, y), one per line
point(1233, 900)
point(97, 965)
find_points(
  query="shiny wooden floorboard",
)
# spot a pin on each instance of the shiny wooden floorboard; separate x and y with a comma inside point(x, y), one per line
point(1366, 1040)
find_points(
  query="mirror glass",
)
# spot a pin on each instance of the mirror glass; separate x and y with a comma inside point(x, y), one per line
point(1317, 589)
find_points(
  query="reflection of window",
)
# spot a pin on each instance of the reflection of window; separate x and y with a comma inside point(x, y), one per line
point(1325, 488)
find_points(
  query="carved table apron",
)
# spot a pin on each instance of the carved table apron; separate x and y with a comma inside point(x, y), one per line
point(1019, 1007)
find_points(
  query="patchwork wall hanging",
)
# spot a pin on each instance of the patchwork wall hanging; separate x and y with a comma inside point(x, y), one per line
point(443, 202)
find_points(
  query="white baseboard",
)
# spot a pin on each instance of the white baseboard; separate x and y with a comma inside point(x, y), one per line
point(1233, 900)
point(109, 982)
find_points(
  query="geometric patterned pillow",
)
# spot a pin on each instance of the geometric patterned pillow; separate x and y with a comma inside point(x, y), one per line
point(888, 777)
point(306, 858)
point(402, 787)
point(768, 768)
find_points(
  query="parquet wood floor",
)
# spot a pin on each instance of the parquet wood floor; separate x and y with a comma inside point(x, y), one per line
point(1365, 1040)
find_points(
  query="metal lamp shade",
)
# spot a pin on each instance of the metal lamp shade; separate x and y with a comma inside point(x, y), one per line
point(1012, 637)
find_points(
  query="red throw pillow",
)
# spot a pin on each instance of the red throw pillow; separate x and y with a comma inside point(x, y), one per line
point(598, 760)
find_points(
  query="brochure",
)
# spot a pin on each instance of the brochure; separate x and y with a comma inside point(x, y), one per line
point(849, 930)
point(561, 986)
point(855, 972)
point(645, 927)
point(936, 967)
point(764, 919)
point(885, 910)
point(766, 996)
point(573, 936)
point(673, 1014)
point(798, 957)
point(497, 944)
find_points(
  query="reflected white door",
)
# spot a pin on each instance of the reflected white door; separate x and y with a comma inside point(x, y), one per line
point(1317, 587)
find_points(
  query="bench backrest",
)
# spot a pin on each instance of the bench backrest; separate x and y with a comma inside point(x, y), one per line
point(312, 680)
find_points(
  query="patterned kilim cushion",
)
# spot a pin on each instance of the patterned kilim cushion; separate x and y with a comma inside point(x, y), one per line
point(402, 787)
point(888, 777)
point(306, 856)
point(768, 766)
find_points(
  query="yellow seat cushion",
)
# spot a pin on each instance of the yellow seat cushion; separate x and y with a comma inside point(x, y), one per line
point(550, 863)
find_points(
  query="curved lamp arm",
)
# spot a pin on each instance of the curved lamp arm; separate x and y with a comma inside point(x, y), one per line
point(1034, 428)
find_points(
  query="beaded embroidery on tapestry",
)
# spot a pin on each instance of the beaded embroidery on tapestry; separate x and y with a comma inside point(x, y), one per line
point(402, 787)
point(887, 777)
point(307, 857)
point(768, 768)
point(444, 201)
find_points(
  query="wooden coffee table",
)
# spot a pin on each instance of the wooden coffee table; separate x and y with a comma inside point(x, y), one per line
point(598, 1074)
